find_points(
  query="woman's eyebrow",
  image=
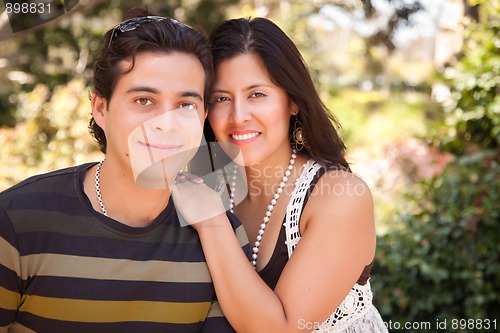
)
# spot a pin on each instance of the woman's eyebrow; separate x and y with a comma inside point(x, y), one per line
point(258, 85)
point(253, 86)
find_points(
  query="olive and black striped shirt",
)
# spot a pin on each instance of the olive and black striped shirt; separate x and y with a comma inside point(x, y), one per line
point(66, 268)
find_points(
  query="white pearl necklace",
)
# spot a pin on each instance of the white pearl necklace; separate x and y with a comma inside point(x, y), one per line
point(98, 188)
point(270, 207)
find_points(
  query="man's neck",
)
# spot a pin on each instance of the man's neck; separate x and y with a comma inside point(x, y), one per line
point(123, 199)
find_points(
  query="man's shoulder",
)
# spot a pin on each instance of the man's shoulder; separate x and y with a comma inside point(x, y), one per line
point(44, 182)
point(240, 232)
point(233, 219)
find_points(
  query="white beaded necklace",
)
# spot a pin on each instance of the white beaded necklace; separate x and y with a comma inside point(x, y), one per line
point(270, 207)
point(98, 188)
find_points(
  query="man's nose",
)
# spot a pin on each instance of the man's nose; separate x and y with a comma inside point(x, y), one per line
point(166, 121)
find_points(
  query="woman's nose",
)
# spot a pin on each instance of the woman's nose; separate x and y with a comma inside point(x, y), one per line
point(240, 113)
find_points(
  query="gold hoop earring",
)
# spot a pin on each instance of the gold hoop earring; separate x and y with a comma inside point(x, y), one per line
point(298, 138)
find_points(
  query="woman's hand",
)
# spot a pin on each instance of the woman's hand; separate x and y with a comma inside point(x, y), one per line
point(196, 202)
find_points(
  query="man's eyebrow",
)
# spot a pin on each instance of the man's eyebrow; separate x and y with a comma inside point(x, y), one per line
point(191, 94)
point(143, 89)
point(156, 91)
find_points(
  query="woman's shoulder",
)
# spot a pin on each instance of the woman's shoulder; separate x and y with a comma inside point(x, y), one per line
point(338, 181)
point(341, 204)
point(338, 191)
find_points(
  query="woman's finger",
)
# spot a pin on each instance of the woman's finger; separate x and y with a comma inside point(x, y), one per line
point(192, 178)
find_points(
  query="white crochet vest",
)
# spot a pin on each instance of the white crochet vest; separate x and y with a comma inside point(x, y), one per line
point(359, 300)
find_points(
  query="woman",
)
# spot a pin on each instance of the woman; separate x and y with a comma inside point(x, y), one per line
point(262, 99)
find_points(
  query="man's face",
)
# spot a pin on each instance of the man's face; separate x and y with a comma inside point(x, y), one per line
point(156, 114)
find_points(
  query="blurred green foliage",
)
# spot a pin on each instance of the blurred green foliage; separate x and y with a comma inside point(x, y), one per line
point(52, 136)
point(440, 258)
point(440, 261)
point(472, 115)
point(368, 117)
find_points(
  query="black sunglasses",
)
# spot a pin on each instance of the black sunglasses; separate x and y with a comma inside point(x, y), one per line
point(135, 22)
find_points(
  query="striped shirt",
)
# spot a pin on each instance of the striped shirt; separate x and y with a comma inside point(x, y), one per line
point(66, 268)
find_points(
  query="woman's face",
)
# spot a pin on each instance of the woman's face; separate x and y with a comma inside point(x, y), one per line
point(249, 110)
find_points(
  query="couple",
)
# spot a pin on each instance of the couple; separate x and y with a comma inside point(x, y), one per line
point(100, 248)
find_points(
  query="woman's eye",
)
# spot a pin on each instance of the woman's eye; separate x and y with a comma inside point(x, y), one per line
point(143, 101)
point(257, 94)
point(220, 99)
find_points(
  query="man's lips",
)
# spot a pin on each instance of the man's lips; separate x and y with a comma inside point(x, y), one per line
point(161, 146)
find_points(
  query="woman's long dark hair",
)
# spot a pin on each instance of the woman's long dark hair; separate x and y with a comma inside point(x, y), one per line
point(287, 69)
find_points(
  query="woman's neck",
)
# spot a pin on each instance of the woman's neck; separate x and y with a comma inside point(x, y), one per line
point(263, 178)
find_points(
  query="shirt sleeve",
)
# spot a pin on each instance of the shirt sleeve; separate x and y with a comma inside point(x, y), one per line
point(215, 321)
point(10, 272)
point(241, 234)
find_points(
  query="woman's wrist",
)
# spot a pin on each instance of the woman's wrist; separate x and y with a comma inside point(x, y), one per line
point(213, 223)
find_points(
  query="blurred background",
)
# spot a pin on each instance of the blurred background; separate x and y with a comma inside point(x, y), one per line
point(415, 85)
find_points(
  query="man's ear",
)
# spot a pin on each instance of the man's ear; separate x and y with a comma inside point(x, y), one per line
point(205, 115)
point(99, 108)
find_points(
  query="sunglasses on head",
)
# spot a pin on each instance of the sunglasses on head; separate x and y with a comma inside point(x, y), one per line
point(135, 22)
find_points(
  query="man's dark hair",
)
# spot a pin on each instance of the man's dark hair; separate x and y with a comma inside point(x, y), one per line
point(159, 36)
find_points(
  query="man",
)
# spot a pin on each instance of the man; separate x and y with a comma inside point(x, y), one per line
point(88, 249)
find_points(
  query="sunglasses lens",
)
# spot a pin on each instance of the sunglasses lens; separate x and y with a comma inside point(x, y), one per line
point(129, 26)
point(133, 23)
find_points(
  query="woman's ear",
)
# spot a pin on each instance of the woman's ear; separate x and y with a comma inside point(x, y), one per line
point(99, 107)
point(294, 109)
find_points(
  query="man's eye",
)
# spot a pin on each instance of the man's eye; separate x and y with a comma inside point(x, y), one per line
point(188, 106)
point(143, 101)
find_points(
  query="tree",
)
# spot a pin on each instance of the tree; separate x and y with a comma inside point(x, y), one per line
point(380, 45)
